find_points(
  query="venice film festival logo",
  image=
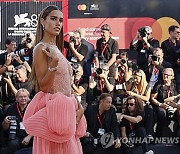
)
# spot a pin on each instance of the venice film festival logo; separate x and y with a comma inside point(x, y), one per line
point(23, 19)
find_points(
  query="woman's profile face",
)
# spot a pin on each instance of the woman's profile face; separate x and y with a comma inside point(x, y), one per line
point(53, 22)
point(137, 78)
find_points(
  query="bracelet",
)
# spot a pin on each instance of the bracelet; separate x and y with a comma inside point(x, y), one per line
point(52, 69)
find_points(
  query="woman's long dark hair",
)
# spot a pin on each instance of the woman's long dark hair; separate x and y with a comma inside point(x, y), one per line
point(39, 35)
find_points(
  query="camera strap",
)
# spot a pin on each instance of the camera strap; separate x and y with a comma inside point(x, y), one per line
point(99, 119)
point(131, 126)
point(20, 114)
point(101, 85)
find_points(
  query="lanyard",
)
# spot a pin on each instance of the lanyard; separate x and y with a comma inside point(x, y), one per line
point(101, 85)
point(155, 70)
point(99, 119)
point(131, 126)
point(104, 48)
point(19, 112)
point(168, 91)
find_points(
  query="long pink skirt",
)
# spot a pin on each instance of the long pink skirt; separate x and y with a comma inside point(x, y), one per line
point(51, 119)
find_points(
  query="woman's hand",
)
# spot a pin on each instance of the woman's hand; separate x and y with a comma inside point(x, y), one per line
point(51, 53)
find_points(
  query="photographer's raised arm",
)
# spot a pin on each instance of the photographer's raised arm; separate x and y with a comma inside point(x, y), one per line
point(79, 56)
point(10, 84)
point(4, 68)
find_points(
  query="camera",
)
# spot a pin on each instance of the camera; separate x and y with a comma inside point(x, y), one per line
point(154, 58)
point(72, 39)
point(21, 52)
point(123, 61)
point(12, 118)
point(75, 67)
point(99, 71)
point(10, 74)
point(12, 127)
point(142, 32)
point(28, 39)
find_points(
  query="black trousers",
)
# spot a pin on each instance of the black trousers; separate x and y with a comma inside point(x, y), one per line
point(149, 119)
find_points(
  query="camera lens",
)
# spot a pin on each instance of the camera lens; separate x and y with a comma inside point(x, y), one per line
point(72, 39)
point(99, 71)
point(12, 129)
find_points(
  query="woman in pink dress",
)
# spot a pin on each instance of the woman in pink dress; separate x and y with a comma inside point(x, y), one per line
point(53, 117)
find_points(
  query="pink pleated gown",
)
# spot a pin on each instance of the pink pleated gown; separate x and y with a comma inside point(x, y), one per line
point(51, 117)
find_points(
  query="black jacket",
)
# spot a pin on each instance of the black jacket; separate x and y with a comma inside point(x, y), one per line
point(110, 122)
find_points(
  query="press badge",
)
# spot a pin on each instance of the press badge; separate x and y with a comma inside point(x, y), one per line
point(79, 98)
point(119, 86)
point(21, 126)
point(143, 51)
point(101, 131)
point(74, 59)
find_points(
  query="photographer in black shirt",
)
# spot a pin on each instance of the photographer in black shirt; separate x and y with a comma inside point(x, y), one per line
point(17, 137)
point(107, 48)
point(76, 51)
point(144, 43)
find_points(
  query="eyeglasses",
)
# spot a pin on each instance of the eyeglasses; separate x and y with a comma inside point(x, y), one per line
point(130, 104)
point(167, 75)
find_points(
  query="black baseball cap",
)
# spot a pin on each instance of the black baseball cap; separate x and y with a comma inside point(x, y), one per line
point(106, 27)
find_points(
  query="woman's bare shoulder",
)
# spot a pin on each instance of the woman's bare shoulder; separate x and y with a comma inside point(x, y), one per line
point(38, 48)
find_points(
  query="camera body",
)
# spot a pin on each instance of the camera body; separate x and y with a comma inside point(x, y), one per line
point(72, 39)
point(21, 52)
point(99, 71)
point(11, 118)
point(10, 74)
point(154, 58)
point(123, 61)
point(142, 31)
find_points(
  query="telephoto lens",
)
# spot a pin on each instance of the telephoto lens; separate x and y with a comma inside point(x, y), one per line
point(12, 129)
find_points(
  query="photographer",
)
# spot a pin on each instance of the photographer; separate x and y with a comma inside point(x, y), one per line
point(10, 58)
point(101, 83)
point(76, 51)
point(19, 80)
point(123, 72)
point(107, 48)
point(79, 84)
point(25, 48)
point(16, 135)
point(156, 66)
point(131, 123)
point(171, 50)
point(144, 43)
point(101, 119)
point(159, 95)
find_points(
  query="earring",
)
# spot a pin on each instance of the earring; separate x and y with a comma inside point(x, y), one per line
point(43, 27)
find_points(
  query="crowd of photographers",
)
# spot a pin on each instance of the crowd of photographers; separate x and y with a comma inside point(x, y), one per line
point(122, 98)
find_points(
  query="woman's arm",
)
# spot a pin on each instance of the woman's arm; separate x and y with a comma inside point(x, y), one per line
point(45, 77)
